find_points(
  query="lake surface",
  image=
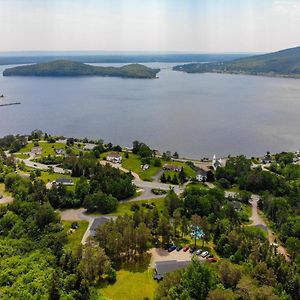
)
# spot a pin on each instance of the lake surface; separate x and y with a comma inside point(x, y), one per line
point(195, 114)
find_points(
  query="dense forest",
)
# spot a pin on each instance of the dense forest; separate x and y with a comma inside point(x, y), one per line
point(281, 63)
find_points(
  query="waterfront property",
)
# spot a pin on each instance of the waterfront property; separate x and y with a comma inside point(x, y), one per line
point(36, 150)
point(170, 167)
point(89, 147)
point(201, 175)
point(114, 157)
point(216, 163)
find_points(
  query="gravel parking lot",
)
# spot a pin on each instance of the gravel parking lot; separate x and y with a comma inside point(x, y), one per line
point(159, 254)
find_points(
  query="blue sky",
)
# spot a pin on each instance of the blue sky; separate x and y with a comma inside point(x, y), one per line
point(150, 25)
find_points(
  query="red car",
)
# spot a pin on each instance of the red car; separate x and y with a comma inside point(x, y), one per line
point(212, 259)
point(186, 248)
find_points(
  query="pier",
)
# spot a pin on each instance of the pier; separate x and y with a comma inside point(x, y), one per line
point(8, 104)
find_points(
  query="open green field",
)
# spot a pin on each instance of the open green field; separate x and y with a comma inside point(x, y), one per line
point(3, 192)
point(47, 177)
point(133, 163)
point(125, 207)
point(47, 148)
point(22, 155)
point(2, 188)
point(131, 286)
point(75, 238)
point(187, 169)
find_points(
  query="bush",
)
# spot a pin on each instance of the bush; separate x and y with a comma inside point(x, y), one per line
point(135, 207)
point(111, 275)
point(225, 184)
point(158, 192)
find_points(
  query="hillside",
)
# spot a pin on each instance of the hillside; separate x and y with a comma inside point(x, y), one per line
point(284, 63)
point(70, 68)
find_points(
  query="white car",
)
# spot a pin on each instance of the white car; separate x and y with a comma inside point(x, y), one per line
point(204, 254)
point(199, 251)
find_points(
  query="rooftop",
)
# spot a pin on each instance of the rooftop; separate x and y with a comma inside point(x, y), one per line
point(163, 267)
point(114, 155)
point(63, 180)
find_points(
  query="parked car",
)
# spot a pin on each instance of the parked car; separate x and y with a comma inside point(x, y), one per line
point(192, 249)
point(213, 259)
point(186, 248)
point(204, 254)
point(179, 248)
point(167, 246)
point(199, 251)
point(172, 248)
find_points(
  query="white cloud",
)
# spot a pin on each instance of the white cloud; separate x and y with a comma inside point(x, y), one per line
point(287, 7)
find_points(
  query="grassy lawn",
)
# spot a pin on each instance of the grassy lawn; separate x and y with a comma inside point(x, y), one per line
point(234, 189)
point(187, 169)
point(125, 207)
point(47, 148)
point(47, 177)
point(247, 209)
point(131, 286)
point(75, 238)
point(2, 188)
point(133, 163)
point(22, 155)
point(3, 192)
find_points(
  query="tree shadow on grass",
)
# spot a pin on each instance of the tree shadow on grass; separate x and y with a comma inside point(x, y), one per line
point(139, 264)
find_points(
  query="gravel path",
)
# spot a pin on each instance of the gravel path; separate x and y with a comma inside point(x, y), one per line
point(6, 199)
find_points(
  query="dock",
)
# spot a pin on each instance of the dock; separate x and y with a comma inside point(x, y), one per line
point(8, 104)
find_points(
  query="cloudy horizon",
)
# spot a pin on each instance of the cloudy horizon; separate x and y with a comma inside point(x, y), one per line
point(190, 26)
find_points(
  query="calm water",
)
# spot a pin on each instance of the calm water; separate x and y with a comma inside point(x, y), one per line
point(195, 114)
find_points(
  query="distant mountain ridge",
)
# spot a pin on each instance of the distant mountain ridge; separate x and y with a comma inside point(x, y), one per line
point(60, 68)
point(128, 58)
point(284, 63)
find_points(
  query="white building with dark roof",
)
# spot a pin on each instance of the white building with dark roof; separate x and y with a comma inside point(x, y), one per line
point(114, 157)
point(201, 175)
point(216, 163)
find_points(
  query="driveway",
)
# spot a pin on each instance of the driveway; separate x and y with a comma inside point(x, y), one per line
point(79, 214)
point(6, 199)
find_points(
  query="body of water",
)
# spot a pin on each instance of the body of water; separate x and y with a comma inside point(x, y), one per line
point(194, 114)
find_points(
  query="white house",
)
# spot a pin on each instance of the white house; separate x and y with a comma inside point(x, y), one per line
point(60, 151)
point(216, 163)
point(114, 157)
point(64, 181)
point(89, 147)
point(36, 150)
point(201, 175)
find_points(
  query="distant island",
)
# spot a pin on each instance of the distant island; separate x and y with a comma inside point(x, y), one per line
point(71, 68)
point(284, 63)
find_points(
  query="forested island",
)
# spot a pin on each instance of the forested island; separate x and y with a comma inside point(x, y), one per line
point(284, 63)
point(61, 68)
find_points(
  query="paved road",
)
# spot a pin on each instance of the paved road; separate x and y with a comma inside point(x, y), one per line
point(29, 163)
point(147, 186)
point(257, 220)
